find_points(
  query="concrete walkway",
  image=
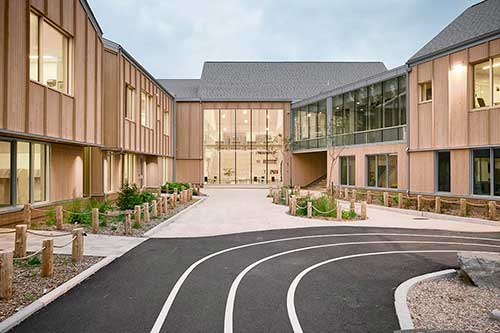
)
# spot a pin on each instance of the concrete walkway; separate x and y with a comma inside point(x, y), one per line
point(94, 245)
point(227, 211)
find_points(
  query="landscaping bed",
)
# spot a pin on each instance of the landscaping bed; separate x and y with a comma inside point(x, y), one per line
point(452, 303)
point(115, 226)
point(28, 285)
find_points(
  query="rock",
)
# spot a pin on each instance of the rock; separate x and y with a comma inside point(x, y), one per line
point(482, 268)
point(495, 314)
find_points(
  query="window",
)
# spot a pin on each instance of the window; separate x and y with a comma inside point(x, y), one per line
point(391, 111)
point(382, 170)
point(5, 174)
point(375, 103)
point(166, 122)
point(130, 103)
point(49, 55)
point(146, 110)
point(304, 123)
point(312, 114)
point(165, 170)
point(128, 169)
point(443, 171)
point(338, 115)
point(402, 100)
point(486, 93)
point(425, 91)
point(361, 112)
point(322, 119)
point(348, 170)
point(486, 171)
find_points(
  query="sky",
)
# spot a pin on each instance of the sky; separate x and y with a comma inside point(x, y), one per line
point(172, 38)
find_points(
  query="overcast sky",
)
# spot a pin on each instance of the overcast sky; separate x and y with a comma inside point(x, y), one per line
point(172, 38)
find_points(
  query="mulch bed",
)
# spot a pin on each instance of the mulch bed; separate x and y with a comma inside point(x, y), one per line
point(28, 285)
point(451, 303)
point(115, 227)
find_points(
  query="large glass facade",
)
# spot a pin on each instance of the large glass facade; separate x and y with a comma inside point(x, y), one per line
point(374, 113)
point(243, 146)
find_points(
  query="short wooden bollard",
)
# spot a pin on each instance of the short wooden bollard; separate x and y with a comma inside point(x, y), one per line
point(77, 246)
point(437, 205)
point(137, 215)
point(386, 199)
point(6, 274)
point(176, 191)
point(128, 223)
point(400, 200)
point(293, 205)
point(362, 215)
point(287, 197)
point(354, 194)
point(173, 200)
point(20, 241)
point(270, 192)
point(463, 207)
point(276, 198)
point(154, 209)
point(419, 202)
point(146, 212)
point(59, 217)
point(346, 194)
point(369, 197)
point(492, 210)
point(352, 206)
point(165, 204)
point(309, 209)
point(339, 212)
point(27, 214)
point(95, 220)
point(47, 269)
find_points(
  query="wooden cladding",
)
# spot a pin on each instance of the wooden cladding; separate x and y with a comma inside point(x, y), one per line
point(121, 75)
point(29, 107)
point(450, 120)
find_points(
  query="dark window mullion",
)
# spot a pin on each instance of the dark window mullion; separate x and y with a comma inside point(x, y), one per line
point(30, 174)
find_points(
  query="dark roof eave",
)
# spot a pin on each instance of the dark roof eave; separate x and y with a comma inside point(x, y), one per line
point(454, 48)
point(91, 15)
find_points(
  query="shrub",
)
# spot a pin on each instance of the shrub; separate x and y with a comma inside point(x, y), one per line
point(348, 215)
point(147, 197)
point(34, 261)
point(325, 204)
point(128, 197)
point(172, 185)
point(302, 202)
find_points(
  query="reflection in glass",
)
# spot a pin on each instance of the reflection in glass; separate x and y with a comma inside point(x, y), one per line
point(391, 111)
point(313, 120)
point(343, 170)
point(375, 103)
point(482, 84)
point(443, 171)
point(361, 112)
point(259, 146)
point(227, 147)
point(393, 171)
point(34, 47)
point(23, 173)
point(349, 112)
point(322, 119)
point(211, 144)
point(243, 147)
point(55, 58)
point(304, 123)
point(382, 171)
point(482, 171)
point(4, 173)
point(352, 170)
point(402, 100)
point(38, 171)
point(372, 167)
point(275, 145)
point(496, 81)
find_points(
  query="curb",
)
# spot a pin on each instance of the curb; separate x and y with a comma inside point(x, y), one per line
point(43, 301)
point(401, 295)
point(171, 219)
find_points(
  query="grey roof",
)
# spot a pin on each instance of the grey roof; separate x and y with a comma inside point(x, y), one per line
point(278, 81)
point(477, 23)
point(183, 89)
point(390, 74)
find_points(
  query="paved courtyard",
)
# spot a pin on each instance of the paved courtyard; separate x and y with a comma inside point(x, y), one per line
point(236, 262)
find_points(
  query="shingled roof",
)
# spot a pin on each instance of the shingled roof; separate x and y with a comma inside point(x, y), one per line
point(478, 22)
point(183, 89)
point(279, 81)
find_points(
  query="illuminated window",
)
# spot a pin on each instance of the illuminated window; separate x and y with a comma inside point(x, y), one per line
point(425, 92)
point(49, 55)
point(487, 83)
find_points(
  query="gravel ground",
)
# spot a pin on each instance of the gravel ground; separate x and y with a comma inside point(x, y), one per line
point(116, 227)
point(28, 285)
point(451, 303)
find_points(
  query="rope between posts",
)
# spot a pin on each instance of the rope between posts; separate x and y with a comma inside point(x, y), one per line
point(48, 236)
point(7, 232)
point(40, 210)
point(329, 212)
point(427, 199)
point(77, 213)
point(61, 246)
point(300, 207)
point(476, 205)
point(31, 255)
point(449, 201)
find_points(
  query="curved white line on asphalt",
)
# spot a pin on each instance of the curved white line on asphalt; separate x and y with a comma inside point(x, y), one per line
point(175, 290)
point(290, 298)
point(229, 314)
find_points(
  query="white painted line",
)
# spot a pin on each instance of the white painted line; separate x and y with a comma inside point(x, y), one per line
point(229, 313)
point(28, 310)
point(162, 316)
point(401, 296)
point(290, 298)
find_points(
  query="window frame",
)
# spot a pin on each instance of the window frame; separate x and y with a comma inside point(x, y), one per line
point(491, 171)
point(68, 68)
point(421, 85)
point(130, 88)
point(491, 88)
point(387, 177)
point(348, 169)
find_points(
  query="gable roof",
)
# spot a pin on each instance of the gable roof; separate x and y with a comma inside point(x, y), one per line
point(183, 89)
point(278, 81)
point(477, 23)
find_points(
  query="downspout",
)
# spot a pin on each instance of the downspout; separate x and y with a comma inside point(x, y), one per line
point(174, 139)
point(408, 70)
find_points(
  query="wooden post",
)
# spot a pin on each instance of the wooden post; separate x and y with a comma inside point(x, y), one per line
point(293, 205)
point(492, 210)
point(137, 215)
point(165, 204)
point(386, 199)
point(346, 194)
point(47, 269)
point(146, 212)
point(352, 205)
point(270, 192)
point(173, 200)
point(159, 204)
point(437, 205)
point(95, 220)
point(6, 274)
point(27, 214)
point(20, 241)
point(276, 198)
point(287, 197)
point(59, 217)
point(363, 210)
point(154, 210)
point(419, 202)
point(309, 209)
point(339, 212)
point(176, 191)
point(354, 194)
point(463, 207)
point(77, 246)
point(128, 223)
point(400, 200)
point(369, 197)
